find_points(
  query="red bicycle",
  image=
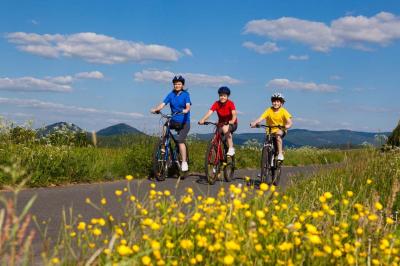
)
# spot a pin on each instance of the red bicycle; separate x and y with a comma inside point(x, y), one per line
point(216, 159)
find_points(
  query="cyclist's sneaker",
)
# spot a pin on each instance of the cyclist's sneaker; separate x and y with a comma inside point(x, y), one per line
point(280, 157)
point(231, 152)
point(184, 167)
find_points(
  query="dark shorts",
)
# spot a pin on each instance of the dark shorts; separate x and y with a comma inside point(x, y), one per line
point(182, 133)
point(232, 127)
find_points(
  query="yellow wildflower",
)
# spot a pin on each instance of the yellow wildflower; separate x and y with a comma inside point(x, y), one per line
point(146, 260)
point(103, 201)
point(337, 253)
point(229, 260)
point(378, 206)
point(124, 250)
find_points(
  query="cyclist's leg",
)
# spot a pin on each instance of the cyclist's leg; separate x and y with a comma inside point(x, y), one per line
point(279, 141)
point(228, 135)
point(180, 139)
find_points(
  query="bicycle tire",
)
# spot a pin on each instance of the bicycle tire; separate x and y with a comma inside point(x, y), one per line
point(265, 166)
point(211, 168)
point(160, 165)
point(229, 169)
point(276, 173)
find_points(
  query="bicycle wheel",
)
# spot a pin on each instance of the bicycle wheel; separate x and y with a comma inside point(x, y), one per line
point(265, 166)
point(276, 173)
point(212, 166)
point(160, 165)
point(229, 168)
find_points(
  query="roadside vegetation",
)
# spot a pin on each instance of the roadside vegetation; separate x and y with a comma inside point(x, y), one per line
point(64, 157)
point(343, 216)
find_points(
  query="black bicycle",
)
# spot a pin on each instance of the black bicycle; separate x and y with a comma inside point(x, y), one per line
point(270, 165)
point(167, 159)
point(216, 159)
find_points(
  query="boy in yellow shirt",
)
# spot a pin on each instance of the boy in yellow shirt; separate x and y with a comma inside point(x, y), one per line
point(276, 115)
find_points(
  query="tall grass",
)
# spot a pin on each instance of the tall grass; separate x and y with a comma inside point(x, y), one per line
point(63, 157)
point(344, 216)
point(340, 217)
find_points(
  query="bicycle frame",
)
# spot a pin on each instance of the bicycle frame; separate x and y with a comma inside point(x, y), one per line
point(269, 164)
point(166, 137)
point(218, 141)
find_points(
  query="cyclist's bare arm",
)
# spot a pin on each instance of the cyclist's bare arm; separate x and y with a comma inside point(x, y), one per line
point(258, 121)
point(205, 117)
point(234, 116)
point(187, 109)
point(158, 108)
point(289, 123)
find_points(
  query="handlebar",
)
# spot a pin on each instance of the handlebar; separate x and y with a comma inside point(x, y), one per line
point(206, 123)
point(168, 116)
point(270, 127)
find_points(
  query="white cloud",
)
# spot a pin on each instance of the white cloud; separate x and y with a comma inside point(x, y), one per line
point(91, 47)
point(61, 108)
point(191, 78)
point(32, 84)
point(298, 57)
point(34, 22)
point(187, 52)
point(90, 75)
point(353, 31)
point(265, 48)
point(48, 84)
point(299, 85)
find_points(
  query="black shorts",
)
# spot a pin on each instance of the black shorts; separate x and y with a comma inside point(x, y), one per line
point(232, 127)
point(182, 133)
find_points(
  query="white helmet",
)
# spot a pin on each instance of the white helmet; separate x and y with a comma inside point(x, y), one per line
point(278, 96)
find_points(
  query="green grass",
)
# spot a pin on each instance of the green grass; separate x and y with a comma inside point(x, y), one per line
point(65, 162)
point(372, 175)
point(342, 216)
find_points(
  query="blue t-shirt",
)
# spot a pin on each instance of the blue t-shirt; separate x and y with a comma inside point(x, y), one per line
point(178, 102)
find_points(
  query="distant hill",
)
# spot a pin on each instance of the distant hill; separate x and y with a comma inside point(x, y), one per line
point(59, 126)
point(394, 138)
point(295, 138)
point(119, 129)
point(304, 137)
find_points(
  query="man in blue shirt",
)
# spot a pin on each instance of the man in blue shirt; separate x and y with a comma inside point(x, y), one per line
point(179, 102)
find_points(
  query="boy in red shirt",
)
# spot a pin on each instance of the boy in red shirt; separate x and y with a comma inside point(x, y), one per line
point(226, 111)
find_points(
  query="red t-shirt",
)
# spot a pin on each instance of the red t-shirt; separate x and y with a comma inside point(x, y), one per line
point(224, 110)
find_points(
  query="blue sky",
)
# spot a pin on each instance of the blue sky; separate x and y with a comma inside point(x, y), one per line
point(98, 63)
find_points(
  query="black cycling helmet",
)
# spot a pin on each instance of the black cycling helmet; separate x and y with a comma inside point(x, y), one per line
point(224, 90)
point(278, 96)
point(178, 79)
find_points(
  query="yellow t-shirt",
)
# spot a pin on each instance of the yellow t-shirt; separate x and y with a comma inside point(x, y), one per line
point(278, 118)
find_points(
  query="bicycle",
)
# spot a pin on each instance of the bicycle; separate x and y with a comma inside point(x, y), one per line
point(216, 158)
point(167, 159)
point(270, 166)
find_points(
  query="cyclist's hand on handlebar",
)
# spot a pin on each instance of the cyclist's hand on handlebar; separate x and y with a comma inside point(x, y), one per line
point(253, 125)
point(201, 122)
point(184, 111)
point(154, 111)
